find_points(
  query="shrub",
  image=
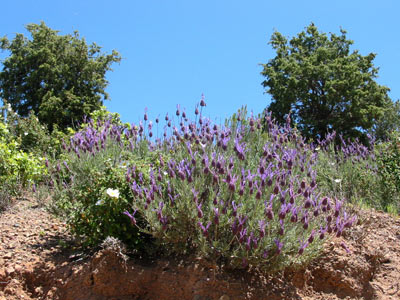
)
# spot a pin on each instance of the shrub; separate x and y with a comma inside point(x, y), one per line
point(31, 135)
point(94, 162)
point(232, 193)
point(348, 171)
point(388, 169)
point(362, 175)
point(18, 169)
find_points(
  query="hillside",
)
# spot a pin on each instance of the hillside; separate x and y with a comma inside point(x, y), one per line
point(38, 261)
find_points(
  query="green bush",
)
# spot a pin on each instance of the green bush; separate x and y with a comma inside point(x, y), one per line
point(388, 170)
point(366, 176)
point(349, 176)
point(31, 135)
point(80, 181)
point(18, 169)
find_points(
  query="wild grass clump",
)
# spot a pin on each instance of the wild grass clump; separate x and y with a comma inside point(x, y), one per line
point(236, 194)
point(363, 175)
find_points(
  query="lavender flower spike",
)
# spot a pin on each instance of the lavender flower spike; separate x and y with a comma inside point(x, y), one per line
point(131, 216)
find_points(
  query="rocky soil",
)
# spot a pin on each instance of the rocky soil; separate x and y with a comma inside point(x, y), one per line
point(38, 261)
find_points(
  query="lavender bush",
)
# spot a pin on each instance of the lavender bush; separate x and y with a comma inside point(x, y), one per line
point(238, 194)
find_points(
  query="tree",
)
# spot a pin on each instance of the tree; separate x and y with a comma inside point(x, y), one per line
point(323, 85)
point(58, 77)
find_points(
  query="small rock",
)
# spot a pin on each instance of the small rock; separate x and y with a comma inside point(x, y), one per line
point(18, 268)
point(7, 255)
point(10, 271)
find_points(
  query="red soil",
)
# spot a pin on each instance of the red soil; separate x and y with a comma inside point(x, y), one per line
point(35, 264)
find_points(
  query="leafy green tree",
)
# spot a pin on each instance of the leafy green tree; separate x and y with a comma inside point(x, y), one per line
point(323, 84)
point(59, 77)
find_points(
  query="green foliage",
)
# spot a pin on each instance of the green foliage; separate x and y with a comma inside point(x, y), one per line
point(31, 135)
point(91, 213)
point(18, 169)
point(388, 161)
point(390, 122)
point(80, 184)
point(349, 177)
point(58, 77)
point(323, 85)
point(368, 177)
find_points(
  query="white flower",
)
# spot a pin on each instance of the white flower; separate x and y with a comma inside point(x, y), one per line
point(338, 180)
point(100, 202)
point(25, 133)
point(112, 193)
point(332, 163)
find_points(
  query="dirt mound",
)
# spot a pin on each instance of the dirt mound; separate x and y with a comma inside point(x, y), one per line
point(35, 264)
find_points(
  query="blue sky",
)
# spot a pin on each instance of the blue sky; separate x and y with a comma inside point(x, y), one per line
point(173, 51)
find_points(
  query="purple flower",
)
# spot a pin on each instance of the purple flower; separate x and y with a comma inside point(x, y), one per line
point(294, 217)
point(268, 208)
point(66, 165)
point(322, 232)
point(279, 246)
point(282, 228)
point(231, 181)
point(248, 242)
point(202, 102)
point(164, 222)
point(283, 211)
point(311, 237)
point(204, 229)
point(242, 235)
point(145, 114)
point(240, 149)
point(262, 224)
point(344, 246)
point(131, 216)
point(234, 209)
point(242, 222)
point(303, 246)
point(195, 195)
point(159, 210)
point(199, 211)
point(173, 198)
point(216, 215)
point(338, 206)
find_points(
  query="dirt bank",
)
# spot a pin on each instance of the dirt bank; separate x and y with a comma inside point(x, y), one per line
point(35, 263)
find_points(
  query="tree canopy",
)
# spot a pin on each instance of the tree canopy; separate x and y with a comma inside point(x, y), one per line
point(323, 84)
point(60, 78)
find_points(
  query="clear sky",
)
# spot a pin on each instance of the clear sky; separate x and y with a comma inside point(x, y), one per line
point(173, 51)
